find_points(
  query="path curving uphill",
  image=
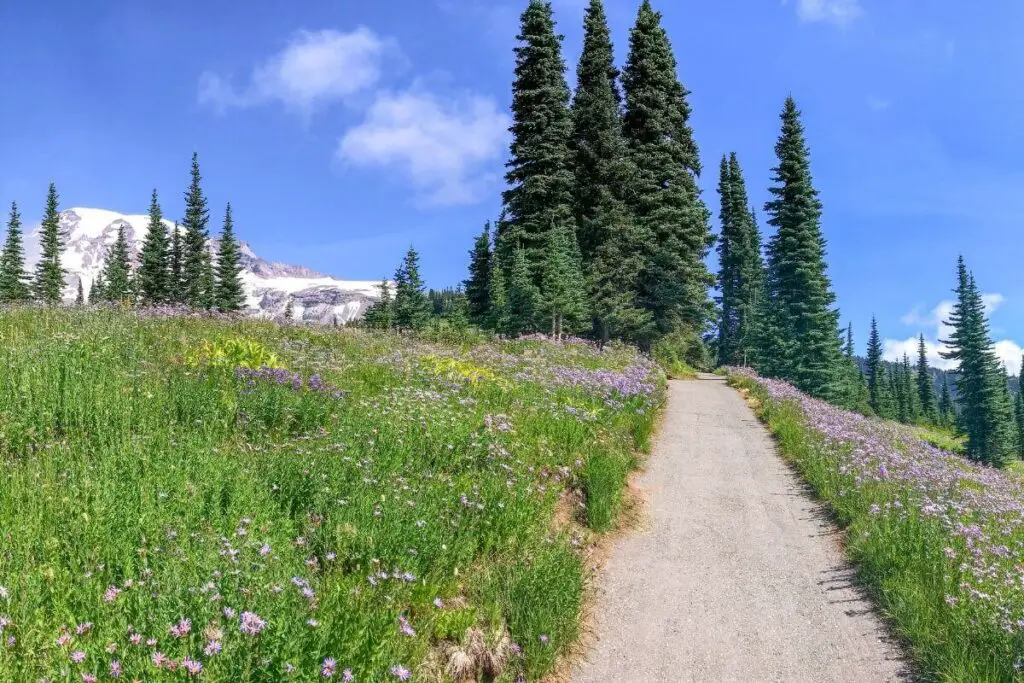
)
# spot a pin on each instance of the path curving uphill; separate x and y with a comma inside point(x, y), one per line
point(737, 576)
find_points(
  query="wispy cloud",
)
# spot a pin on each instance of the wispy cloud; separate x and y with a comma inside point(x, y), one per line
point(440, 145)
point(314, 68)
point(933, 324)
point(838, 12)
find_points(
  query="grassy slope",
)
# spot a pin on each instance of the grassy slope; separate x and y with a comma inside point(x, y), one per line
point(937, 540)
point(138, 489)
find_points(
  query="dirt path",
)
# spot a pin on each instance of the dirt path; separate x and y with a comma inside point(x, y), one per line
point(737, 576)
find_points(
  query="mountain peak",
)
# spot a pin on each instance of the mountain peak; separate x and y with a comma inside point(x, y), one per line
point(88, 234)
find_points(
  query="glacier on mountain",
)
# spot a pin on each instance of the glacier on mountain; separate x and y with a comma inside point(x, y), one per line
point(88, 233)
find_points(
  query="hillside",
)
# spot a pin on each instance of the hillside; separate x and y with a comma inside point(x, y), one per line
point(255, 502)
point(936, 538)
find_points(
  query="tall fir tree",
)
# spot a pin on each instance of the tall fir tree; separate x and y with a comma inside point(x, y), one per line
point(564, 303)
point(154, 272)
point(728, 271)
point(885, 398)
point(228, 289)
point(117, 274)
point(671, 218)
point(747, 253)
point(608, 238)
point(539, 176)
point(175, 276)
point(14, 281)
point(478, 298)
point(909, 391)
point(49, 276)
point(97, 295)
point(411, 307)
point(523, 297)
point(805, 324)
point(80, 295)
point(982, 410)
point(873, 363)
point(197, 272)
point(947, 412)
point(497, 314)
point(380, 314)
point(925, 385)
point(1018, 415)
point(741, 271)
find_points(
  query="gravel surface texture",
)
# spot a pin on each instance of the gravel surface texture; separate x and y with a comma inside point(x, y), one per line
point(736, 575)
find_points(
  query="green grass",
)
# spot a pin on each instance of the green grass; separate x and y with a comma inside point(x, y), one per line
point(932, 539)
point(144, 481)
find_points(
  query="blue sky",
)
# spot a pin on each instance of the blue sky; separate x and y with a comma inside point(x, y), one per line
point(343, 132)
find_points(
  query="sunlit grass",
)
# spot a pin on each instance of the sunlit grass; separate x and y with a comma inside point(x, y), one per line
point(367, 502)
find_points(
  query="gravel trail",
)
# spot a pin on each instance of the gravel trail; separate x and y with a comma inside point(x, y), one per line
point(736, 576)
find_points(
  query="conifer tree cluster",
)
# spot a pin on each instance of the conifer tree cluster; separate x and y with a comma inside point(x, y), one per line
point(603, 229)
point(741, 274)
point(172, 268)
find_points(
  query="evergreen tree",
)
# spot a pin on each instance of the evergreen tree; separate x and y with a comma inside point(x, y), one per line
point(289, 311)
point(804, 321)
point(80, 295)
point(117, 271)
point(671, 218)
point(97, 294)
point(728, 275)
point(13, 278)
point(412, 307)
point(523, 297)
point(478, 298)
point(747, 253)
point(947, 415)
point(228, 288)
point(498, 315)
point(609, 243)
point(873, 363)
point(900, 394)
point(154, 273)
point(539, 175)
point(848, 349)
point(885, 401)
point(982, 410)
point(175, 277)
point(49, 277)
point(925, 386)
point(197, 272)
point(1018, 414)
point(564, 301)
point(909, 391)
point(380, 314)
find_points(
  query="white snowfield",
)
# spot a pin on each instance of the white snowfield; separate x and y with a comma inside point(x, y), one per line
point(315, 297)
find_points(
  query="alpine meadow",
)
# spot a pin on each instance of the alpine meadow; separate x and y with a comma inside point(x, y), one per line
point(631, 438)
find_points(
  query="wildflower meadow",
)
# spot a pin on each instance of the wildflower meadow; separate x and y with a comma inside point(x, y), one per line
point(187, 497)
point(937, 539)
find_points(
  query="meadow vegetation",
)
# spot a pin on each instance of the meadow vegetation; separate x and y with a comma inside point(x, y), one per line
point(936, 538)
point(191, 496)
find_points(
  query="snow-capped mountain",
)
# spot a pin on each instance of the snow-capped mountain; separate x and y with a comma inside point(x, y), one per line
point(88, 234)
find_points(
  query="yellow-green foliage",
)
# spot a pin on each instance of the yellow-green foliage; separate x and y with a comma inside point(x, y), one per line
point(233, 352)
point(458, 369)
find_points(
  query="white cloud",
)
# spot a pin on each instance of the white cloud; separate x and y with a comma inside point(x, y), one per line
point(1007, 350)
point(839, 12)
point(439, 145)
point(316, 67)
